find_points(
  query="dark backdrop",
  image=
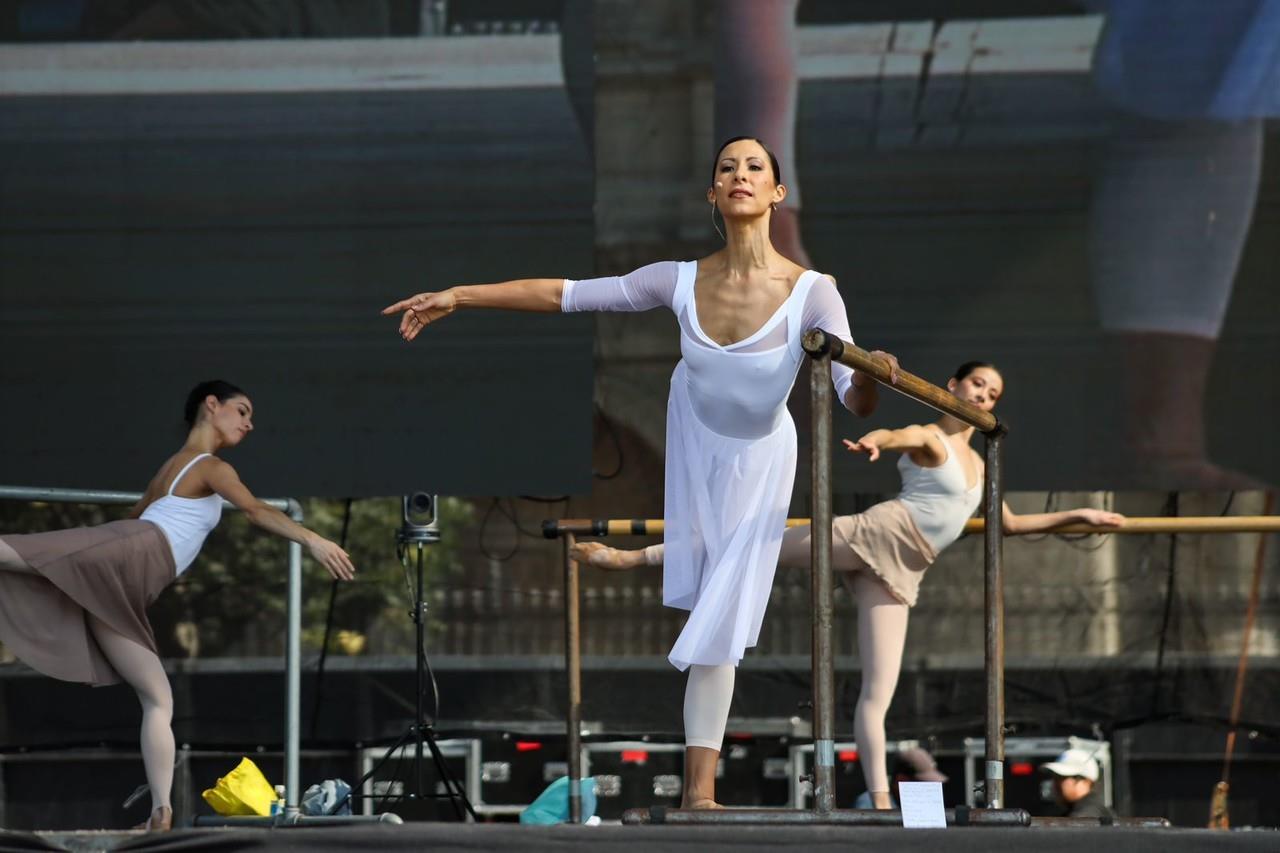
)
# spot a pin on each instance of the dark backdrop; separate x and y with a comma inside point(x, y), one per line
point(147, 243)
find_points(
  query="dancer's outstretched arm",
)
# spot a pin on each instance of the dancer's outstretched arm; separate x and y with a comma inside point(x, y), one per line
point(224, 480)
point(525, 294)
point(1043, 522)
point(922, 444)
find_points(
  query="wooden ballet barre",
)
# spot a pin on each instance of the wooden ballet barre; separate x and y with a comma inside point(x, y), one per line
point(554, 529)
point(1164, 524)
point(817, 341)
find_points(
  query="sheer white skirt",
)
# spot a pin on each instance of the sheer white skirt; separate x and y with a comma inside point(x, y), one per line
point(725, 513)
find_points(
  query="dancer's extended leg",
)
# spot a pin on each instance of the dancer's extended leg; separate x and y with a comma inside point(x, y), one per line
point(707, 696)
point(144, 672)
point(797, 552)
point(882, 634)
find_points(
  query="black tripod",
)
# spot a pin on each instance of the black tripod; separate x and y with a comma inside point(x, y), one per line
point(422, 730)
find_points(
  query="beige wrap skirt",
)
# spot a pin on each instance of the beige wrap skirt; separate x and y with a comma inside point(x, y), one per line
point(112, 571)
point(887, 542)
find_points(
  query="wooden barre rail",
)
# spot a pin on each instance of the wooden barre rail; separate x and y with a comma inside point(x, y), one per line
point(553, 529)
point(817, 341)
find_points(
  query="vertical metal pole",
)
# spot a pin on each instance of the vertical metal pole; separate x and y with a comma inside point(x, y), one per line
point(824, 754)
point(994, 611)
point(183, 790)
point(293, 673)
point(420, 678)
point(293, 677)
point(573, 669)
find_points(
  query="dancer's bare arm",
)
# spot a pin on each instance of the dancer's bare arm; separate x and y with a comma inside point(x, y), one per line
point(922, 444)
point(526, 294)
point(1043, 522)
point(224, 480)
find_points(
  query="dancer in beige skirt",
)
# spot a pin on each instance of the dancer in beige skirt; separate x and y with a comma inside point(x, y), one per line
point(73, 602)
point(883, 553)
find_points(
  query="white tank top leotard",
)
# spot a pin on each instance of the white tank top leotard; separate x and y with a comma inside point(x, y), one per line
point(938, 499)
point(185, 522)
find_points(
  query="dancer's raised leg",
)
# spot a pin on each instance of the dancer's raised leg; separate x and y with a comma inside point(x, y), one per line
point(795, 554)
point(797, 551)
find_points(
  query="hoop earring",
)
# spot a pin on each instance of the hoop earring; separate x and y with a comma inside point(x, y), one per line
point(714, 224)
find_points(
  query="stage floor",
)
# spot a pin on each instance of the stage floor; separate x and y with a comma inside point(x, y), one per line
point(466, 838)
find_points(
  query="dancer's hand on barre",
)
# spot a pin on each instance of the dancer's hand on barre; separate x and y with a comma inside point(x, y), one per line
point(421, 310)
point(335, 560)
point(892, 362)
point(601, 556)
point(1100, 517)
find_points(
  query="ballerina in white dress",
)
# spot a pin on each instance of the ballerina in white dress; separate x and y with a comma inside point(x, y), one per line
point(731, 443)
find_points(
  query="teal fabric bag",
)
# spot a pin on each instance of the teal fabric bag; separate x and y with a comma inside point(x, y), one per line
point(552, 805)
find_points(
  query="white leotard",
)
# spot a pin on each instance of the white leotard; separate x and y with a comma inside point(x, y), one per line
point(731, 450)
point(938, 499)
point(185, 522)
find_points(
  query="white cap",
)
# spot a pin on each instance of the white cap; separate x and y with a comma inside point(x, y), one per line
point(1074, 762)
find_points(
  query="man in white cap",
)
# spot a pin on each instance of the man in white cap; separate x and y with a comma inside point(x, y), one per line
point(1075, 773)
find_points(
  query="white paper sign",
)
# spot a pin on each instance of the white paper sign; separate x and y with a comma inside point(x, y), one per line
point(922, 805)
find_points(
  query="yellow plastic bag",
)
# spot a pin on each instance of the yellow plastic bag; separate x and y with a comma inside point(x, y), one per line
point(243, 791)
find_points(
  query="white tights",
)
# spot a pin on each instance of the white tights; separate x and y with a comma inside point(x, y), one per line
point(882, 635)
point(707, 695)
point(141, 669)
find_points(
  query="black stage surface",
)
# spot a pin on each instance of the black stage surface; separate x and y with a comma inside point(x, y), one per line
point(513, 837)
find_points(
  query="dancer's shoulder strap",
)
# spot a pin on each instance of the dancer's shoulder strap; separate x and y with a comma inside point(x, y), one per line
point(185, 469)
